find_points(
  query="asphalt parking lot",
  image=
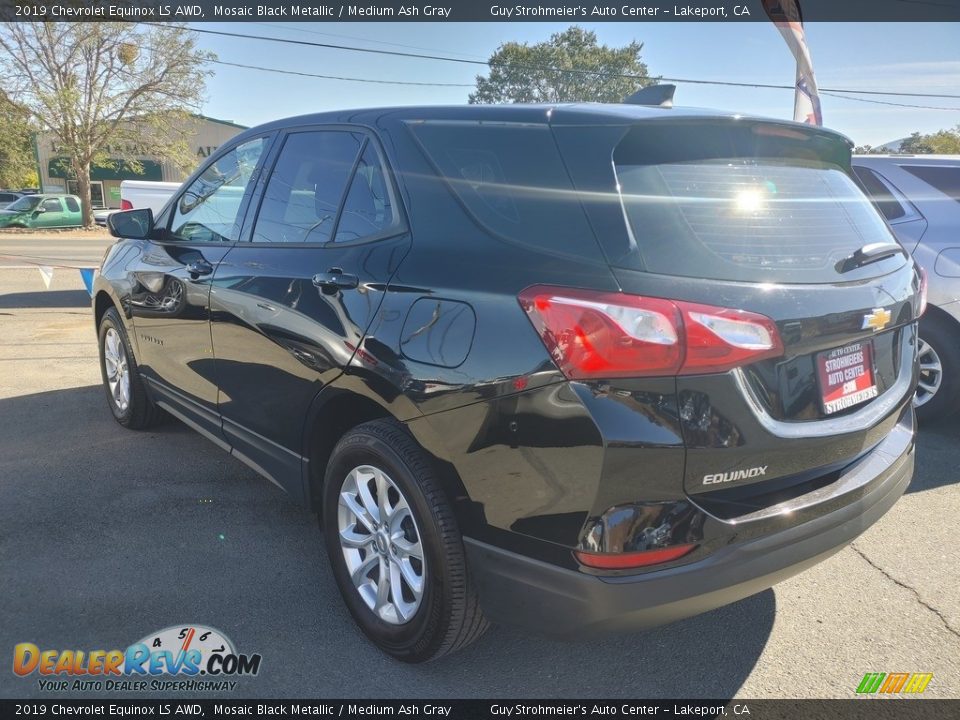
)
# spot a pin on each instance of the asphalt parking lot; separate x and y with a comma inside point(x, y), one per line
point(107, 535)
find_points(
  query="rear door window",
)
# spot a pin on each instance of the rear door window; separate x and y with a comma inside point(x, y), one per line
point(881, 193)
point(72, 204)
point(306, 187)
point(751, 203)
point(369, 209)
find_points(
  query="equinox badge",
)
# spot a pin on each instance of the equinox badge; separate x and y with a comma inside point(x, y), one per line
point(878, 319)
point(726, 477)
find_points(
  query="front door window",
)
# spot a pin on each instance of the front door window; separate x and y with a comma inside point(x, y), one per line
point(208, 210)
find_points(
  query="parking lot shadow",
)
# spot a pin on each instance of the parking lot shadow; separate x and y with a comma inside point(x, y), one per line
point(45, 299)
point(108, 535)
point(936, 453)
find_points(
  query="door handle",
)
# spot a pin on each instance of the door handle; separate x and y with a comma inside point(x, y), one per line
point(198, 267)
point(335, 279)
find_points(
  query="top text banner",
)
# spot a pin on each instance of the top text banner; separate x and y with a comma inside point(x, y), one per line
point(471, 11)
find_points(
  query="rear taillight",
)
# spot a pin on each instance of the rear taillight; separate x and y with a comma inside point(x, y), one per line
point(596, 334)
point(719, 339)
point(126, 205)
point(923, 291)
point(608, 334)
point(622, 561)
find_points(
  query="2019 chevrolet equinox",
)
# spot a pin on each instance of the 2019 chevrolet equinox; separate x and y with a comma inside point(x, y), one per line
point(580, 367)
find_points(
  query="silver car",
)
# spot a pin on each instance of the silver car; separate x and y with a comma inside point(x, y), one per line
point(919, 195)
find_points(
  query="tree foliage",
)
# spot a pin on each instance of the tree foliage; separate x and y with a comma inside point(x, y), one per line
point(520, 72)
point(946, 142)
point(942, 142)
point(99, 85)
point(18, 167)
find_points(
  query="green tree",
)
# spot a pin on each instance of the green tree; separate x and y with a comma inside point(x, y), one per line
point(98, 84)
point(18, 166)
point(915, 145)
point(942, 142)
point(520, 72)
point(871, 150)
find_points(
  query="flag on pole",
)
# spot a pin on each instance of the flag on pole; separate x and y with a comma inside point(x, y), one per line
point(46, 273)
point(786, 15)
point(86, 275)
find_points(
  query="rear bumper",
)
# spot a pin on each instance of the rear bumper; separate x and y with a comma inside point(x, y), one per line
point(518, 590)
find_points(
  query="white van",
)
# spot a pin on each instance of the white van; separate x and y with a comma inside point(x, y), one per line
point(136, 194)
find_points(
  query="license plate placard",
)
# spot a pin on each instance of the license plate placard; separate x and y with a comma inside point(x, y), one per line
point(846, 376)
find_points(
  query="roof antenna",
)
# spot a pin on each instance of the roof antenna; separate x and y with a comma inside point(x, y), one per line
point(653, 95)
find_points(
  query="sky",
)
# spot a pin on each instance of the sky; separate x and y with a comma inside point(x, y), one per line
point(910, 57)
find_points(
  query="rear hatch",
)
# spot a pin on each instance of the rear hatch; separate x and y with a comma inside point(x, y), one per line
point(760, 218)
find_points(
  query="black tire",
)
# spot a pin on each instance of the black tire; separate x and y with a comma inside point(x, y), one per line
point(449, 616)
point(139, 413)
point(944, 339)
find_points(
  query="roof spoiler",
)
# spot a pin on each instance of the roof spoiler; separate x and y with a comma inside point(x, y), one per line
point(653, 95)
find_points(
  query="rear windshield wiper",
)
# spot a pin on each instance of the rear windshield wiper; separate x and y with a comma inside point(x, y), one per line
point(874, 252)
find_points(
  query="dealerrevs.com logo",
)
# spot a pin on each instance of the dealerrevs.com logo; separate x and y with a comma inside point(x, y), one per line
point(181, 657)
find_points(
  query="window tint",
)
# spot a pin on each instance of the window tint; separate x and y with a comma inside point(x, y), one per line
point(368, 209)
point(944, 178)
point(72, 204)
point(512, 180)
point(52, 205)
point(306, 186)
point(207, 211)
point(749, 203)
point(881, 194)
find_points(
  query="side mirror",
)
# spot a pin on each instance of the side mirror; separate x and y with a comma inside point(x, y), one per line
point(134, 224)
point(40, 209)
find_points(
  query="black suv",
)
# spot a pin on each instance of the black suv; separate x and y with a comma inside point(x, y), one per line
point(579, 368)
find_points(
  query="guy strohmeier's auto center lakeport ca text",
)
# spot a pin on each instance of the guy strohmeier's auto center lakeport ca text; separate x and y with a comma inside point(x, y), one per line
point(123, 12)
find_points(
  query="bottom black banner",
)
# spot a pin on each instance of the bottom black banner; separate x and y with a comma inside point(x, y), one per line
point(856, 709)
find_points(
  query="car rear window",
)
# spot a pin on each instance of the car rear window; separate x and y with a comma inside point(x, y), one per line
point(745, 202)
point(511, 179)
point(944, 178)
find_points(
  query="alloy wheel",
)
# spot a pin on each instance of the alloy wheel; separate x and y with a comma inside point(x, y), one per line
point(381, 544)
point(118, 372)
point(931, 374)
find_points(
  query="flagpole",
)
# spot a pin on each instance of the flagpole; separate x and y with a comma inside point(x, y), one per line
point(788, 18)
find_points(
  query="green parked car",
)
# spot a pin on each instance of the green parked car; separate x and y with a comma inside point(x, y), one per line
point(42, 211)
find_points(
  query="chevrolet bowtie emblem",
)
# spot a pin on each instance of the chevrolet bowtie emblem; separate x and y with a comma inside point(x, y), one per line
point(878, 319)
